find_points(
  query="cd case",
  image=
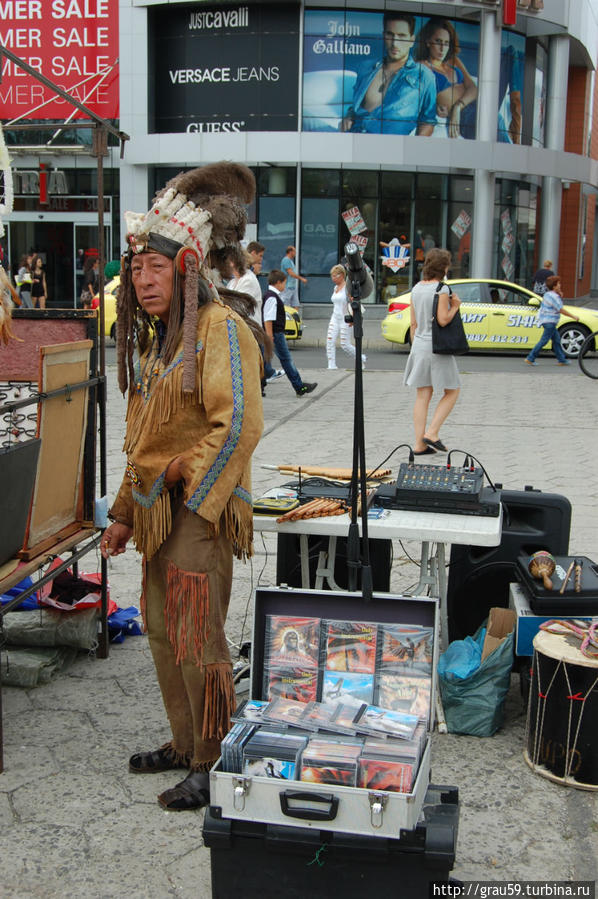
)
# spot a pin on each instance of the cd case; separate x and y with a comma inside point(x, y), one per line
point(321, 659)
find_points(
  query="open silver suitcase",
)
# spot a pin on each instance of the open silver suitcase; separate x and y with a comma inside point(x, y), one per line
point(347, 809)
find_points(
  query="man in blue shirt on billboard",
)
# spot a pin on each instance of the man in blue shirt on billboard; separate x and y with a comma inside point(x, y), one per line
point(396, 95)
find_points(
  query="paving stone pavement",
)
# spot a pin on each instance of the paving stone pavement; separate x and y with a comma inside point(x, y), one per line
point(76, 823)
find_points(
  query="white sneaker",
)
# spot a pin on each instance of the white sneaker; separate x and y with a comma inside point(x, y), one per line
point(277, 374)
point(332, 367)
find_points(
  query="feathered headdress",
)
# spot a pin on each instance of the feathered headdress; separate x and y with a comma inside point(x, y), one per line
point(193, 220)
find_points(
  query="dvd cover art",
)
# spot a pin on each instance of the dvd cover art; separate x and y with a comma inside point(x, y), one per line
point(292, 641)
point(250, 710)
point(335, 749)
point(350, 687)
point(319, 716)
point(300, 684)
point(405, 694)
point(279, 769)
point(407, 648)
point(285, 711)
point(351, 646)
point(344, 716)
point(383, 774)
point(336, 775)
point(377, 720)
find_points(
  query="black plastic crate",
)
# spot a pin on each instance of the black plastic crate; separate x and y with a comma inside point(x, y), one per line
point(252, 859)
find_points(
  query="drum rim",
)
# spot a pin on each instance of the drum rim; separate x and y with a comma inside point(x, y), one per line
point(566, 781)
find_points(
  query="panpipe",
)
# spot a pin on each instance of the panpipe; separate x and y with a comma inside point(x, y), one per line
point(339, 474)
point(316, 508)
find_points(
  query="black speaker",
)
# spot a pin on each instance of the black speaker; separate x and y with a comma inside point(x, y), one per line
point(479, 576)
point(288, 561)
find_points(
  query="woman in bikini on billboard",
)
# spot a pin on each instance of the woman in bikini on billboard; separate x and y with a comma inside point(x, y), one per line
point(438, 49)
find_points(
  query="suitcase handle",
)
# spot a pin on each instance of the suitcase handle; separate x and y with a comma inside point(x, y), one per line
point(305, 812)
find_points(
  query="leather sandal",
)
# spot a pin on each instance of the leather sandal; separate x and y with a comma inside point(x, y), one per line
point(191, 793)
point(162, 759)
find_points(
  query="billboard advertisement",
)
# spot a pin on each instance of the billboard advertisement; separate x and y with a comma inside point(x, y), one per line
point(74, 43)
point(510, 91)
point(224, 68)
point(389, 73)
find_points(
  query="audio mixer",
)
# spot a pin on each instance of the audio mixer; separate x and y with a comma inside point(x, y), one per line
point(439, 488)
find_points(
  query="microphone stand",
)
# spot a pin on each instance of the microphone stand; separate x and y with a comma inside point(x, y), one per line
point(355, 559)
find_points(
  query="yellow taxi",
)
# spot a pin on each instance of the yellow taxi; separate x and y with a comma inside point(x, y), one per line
point(496, 315)
point(293, 325)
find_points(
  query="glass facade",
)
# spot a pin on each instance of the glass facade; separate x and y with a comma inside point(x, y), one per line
point(404, 214)
point(515, 231)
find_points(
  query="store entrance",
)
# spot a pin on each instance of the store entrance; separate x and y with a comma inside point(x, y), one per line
point(54, 243)
point(63, 246)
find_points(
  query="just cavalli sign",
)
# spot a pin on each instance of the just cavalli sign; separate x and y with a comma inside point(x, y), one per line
point(223, 69)
point(74, 43)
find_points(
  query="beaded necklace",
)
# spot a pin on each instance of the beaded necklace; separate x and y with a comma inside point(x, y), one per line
point(153, 363)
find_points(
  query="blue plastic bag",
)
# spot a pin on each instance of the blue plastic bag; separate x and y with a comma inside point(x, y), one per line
point(29, 603)
point(122, 624)
point(475, 704)
point(461, 659)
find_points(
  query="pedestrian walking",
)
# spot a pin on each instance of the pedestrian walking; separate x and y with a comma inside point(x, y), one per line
point(338, 328)
point(274, 322)
point(551, 310)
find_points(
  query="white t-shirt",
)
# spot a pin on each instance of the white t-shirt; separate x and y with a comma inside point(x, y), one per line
point(339, 299)
point(248, 283)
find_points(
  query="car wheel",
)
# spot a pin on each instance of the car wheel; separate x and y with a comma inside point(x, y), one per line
point(113, 332)
point(572, 338)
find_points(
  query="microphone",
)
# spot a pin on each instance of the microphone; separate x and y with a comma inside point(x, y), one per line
point(356, 270)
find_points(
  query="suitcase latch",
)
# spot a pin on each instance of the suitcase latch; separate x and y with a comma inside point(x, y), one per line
point(377, 805)
point(240, 790)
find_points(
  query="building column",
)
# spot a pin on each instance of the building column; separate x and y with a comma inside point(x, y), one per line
point(134, 191)
point(556, 113)
point(482, 237)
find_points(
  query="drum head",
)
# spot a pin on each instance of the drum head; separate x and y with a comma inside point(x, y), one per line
point(562, 647)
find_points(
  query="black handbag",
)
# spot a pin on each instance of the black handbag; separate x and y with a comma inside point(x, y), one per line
point(448, 340)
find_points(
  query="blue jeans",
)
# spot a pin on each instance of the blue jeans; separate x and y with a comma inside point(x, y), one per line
point(550, 333)
point(268, 370)
point(284, 354)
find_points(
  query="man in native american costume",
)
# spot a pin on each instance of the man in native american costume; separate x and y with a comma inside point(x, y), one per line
point(194, 418)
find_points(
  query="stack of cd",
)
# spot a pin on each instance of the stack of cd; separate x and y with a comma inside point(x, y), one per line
point(270, 753)
point(331, 761)
point(388, 765)
point(231, 747)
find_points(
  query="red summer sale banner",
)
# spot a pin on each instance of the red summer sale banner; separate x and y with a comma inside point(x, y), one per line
point(74, 43)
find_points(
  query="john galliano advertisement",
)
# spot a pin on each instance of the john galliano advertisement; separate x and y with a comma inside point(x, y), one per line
point(389, 73)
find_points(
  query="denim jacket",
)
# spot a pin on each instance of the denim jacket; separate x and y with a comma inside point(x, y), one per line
point(410, 100)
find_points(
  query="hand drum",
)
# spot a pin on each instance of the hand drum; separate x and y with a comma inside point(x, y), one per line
point(541, 565)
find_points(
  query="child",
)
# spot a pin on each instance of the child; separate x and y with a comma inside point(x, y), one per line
point(274, 321)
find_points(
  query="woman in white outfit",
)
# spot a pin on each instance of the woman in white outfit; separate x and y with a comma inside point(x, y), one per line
point(338, 327)
point(425, 370)
point(244, 280)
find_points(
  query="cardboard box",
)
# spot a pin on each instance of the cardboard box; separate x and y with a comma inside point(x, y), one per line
point(528, 623)
point(501, 623)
